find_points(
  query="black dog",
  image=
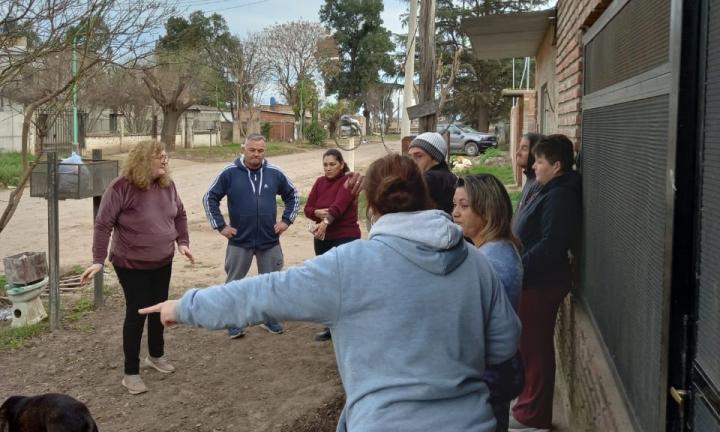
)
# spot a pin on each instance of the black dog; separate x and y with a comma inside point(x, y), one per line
point(50, 412)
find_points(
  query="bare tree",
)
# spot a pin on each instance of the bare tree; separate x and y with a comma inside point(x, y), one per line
point(248, 78)
point(35, 36)
point(114, 31)
point(176, 85)
point(292, 51)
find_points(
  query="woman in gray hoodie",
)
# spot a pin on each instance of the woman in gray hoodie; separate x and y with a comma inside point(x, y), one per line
point(415, 313)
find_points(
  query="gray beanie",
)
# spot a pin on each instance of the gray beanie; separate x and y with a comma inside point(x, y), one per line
point(433, 144)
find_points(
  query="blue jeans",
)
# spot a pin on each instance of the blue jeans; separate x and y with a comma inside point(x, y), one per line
point(238, 261)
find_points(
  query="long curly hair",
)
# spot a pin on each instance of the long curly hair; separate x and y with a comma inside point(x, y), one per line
point(138, 168)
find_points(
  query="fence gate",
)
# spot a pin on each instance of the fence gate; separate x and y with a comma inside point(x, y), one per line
point(706, 367)
point(628, 151)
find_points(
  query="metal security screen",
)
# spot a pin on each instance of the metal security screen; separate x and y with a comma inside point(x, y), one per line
point(624, 178)
point(635, 41)
point(707, 380)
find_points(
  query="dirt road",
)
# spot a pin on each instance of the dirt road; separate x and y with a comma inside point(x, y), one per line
point(258, 383)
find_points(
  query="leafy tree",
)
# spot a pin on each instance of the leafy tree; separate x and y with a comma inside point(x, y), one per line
point(331, 113)
point(306, 98)
point(475, 95)
point(364, 46)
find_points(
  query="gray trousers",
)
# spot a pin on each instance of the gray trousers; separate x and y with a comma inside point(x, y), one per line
point(238, 261)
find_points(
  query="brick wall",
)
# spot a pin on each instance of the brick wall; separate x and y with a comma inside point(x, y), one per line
point(590, 391)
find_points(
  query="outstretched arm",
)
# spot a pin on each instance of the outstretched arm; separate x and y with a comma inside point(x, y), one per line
point(310, 292)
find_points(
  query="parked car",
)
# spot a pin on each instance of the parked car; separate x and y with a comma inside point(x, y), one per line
point(467, 140)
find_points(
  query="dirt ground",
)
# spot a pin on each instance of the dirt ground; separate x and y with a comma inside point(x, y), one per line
point(261, 382)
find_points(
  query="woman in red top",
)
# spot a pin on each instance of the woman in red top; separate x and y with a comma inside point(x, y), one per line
point(334, 209)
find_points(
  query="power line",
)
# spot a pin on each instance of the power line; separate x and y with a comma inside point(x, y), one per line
point(239, 6)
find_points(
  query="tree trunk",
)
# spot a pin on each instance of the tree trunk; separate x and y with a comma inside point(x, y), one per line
point(366, 114)
point(483, 118)
point(169, 127)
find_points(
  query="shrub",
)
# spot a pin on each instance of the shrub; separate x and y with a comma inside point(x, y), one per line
point(316, 134)
point(265, 128)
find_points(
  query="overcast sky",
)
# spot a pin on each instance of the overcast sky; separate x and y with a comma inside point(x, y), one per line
point(248, 16)
point(245, 16)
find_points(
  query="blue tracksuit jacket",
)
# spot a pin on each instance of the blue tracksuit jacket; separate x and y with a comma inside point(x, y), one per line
point(251, 203)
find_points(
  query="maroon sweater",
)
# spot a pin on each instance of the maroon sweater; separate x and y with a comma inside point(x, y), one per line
point(341, 204)
point(145, 225)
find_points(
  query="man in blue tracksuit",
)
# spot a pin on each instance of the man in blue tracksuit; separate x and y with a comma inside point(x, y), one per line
point(251, 185)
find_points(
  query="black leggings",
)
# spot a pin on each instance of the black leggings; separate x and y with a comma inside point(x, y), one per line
point(322, 246)
point(142, 288)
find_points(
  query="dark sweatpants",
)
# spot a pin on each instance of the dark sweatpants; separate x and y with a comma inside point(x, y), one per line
point(142, 288)
point(538, 312)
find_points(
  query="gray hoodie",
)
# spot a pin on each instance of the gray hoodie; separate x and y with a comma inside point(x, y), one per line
point(415, 315)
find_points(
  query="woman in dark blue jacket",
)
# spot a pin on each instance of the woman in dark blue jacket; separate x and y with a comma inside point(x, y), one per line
point(548, 224)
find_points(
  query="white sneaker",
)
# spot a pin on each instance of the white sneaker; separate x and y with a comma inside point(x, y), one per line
point(160, 364)
point(134, 384)
point(516, 426)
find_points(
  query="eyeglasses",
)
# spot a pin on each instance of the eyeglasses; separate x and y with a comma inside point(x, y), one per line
point(162, 157)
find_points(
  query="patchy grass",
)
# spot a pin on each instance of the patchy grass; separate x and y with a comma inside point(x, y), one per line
point(515, 198)
point(503, 172)
point(231, 151)
point(10, 168)
point(16, 337)
point(3, 281)
point(83, 307)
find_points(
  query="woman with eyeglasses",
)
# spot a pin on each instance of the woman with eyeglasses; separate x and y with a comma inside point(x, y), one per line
point(144, 214)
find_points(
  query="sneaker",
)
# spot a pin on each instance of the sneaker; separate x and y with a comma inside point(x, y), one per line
point(323, 335)
point(274, 328)
point(134, 384)
point(516, 426)
point(236, 332)
point(160, 364)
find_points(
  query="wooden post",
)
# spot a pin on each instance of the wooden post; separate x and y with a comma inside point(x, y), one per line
point(349, 156)
point(98, 280)
point(53, 240)
point(427, 62)
point(154, 129)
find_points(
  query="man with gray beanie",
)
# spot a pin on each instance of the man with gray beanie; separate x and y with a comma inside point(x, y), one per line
point(429, 151)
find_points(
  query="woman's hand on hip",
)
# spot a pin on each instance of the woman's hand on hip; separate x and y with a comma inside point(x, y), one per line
point(89, 273)
point(185, 251)
point(166, 310)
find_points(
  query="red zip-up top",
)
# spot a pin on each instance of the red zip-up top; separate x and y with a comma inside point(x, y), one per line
point(341, 204)
point(145, 225)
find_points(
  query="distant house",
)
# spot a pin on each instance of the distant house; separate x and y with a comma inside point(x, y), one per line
point(11, 112)
point(280, 117)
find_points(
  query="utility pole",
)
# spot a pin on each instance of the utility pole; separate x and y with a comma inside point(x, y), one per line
point(409, 69)
point(75, 143)
point(427, 62)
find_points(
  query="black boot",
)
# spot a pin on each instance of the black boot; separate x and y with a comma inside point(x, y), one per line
point(323, 335)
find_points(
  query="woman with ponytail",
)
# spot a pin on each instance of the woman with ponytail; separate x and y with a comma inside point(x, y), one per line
point(415, 312)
